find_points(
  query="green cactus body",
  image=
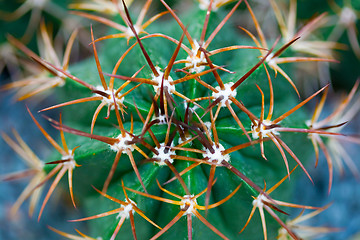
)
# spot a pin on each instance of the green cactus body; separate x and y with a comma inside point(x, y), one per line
point(97, 158)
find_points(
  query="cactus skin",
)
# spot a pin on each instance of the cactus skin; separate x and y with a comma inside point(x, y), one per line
point(95, 157)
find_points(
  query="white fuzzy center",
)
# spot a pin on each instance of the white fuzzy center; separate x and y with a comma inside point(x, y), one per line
point(121, 145)
point(163, 156)
point(226, 93)
point(194, 61)
point(161, 118)
point(259, 201)
point(260, 129)
point(130, 33)
point(158, 80)
point(271, 60)
point(127, 209)
point(71, 162)
point(217, 156)
point(110, 100)
point(189, 203)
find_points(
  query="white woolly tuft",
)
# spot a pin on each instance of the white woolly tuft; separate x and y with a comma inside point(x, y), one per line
point(188, 201)
point(159, 78)
point(109, 101)
point(121, 145)
point(163, 156)
point(226, 93)
point(194, 60)
point(259, 129)
point(217, 155)
point(127, 209)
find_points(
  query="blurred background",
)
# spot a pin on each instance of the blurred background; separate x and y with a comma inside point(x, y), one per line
point(21, 19)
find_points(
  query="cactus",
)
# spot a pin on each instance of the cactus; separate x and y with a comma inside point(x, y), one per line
point(182, 125)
